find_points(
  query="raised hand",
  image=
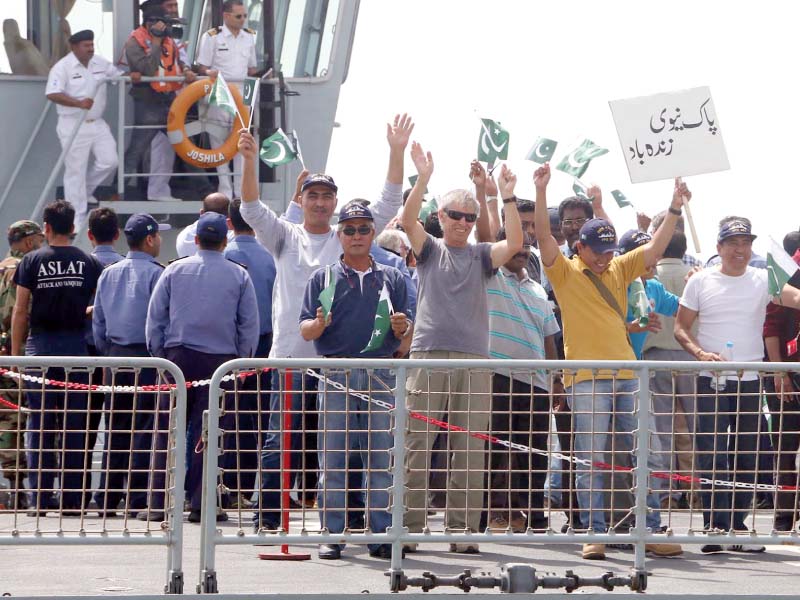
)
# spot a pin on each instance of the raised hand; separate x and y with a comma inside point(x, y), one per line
point(422, 161)
point(541, 177)
point(300, 179)
point(643, 221)
point(506, 182)
point(247, 145)
point(595, 197)
point(681, 191)
point(491, 187)
point(477, 174)
point(399, 133)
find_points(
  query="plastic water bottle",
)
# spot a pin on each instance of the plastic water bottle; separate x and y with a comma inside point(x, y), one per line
point(640, 305)
point(720, 381)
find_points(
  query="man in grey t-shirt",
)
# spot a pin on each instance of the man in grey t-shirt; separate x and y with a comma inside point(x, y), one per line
point(452, 323)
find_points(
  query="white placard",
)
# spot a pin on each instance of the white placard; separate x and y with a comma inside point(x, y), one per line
point(670, 135)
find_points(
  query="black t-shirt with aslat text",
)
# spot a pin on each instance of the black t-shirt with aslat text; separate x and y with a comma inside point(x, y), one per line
point(61, 280)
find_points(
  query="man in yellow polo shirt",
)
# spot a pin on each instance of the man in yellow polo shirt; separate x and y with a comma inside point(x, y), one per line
point(591, 290)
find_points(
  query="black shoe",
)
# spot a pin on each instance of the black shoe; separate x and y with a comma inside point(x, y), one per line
point(764, 502)
point(711, 549)
point(194, 516)
point(783, 525)
point(383, 551)
point(331, 552)
point(356, 521)
point(151, 515)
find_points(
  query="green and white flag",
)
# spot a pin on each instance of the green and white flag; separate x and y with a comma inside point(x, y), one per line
point(542, 151)
point(326, 295)
point(382, 322)
point(576, 162)
point(493, 142)
point(277, 149)
point(780, 268)
point(221, 96)
point(622, 201)
point(427, 208)
point(250, 91)
point(412, 180)
point(580, 189)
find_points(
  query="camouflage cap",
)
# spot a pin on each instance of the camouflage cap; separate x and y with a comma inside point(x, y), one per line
point(22, 229)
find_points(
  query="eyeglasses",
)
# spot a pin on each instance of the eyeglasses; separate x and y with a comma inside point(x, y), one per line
point(244, 16)
point(351, 230)
point(573, 222)
point(457, 215)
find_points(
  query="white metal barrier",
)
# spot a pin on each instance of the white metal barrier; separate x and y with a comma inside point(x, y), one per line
point(89, 444)
point(622, 445)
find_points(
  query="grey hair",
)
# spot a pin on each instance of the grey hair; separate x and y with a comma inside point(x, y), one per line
point(460, 198)
point(392, 240)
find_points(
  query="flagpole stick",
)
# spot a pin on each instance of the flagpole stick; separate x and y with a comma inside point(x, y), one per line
point(252, 107)
point(692, 229)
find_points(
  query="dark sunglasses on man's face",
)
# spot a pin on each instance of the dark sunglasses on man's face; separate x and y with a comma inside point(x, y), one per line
point(238, 16)
point(457, 215)
point(351, 230)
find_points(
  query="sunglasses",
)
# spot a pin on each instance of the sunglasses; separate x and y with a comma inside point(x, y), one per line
point(457, 215)
point(244, 16)
point(351, 230)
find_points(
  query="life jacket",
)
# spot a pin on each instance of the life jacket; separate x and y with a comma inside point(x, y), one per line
point(168, 65)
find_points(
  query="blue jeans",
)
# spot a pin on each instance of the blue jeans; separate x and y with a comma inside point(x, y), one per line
point(54, 408)
point(593, 403)
point(727, 456)
point(350, 425)
point(302, 457)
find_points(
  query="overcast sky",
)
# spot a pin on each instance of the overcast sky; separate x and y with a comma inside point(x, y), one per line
point(550, 68)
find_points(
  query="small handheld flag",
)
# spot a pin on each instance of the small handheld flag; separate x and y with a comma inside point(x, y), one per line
point(542, 151)
point(277, 149)
point(493, 142)
point(382, 322)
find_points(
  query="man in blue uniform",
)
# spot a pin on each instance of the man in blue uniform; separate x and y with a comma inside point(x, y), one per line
point(203, 312)
point(118, 321)
point(54, 286)
point(349, 424)
point(253, 411)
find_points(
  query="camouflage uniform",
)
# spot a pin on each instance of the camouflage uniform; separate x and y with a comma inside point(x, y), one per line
point(12, 421)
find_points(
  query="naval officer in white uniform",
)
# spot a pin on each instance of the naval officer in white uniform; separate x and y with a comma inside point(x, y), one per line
point(231, 50)
point(78, 83)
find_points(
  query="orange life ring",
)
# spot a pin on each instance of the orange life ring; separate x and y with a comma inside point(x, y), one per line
point(176, 127)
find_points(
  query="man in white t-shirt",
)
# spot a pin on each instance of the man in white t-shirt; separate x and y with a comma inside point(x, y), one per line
point(299, 250)
point(729, 303)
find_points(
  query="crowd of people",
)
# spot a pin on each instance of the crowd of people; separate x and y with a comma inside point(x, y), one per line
point(480, 274)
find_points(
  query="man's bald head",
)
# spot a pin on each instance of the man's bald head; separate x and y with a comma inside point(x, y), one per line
point(216, 203)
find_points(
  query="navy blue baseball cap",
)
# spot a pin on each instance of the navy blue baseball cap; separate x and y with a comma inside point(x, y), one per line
point(734, 228)
point(599, 235)
point(319, 179)
point(212, 227)
point(632, 239)
point(140, 225)
point(354, 210)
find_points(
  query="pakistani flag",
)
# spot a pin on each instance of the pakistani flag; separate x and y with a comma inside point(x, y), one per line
point(581, 191)
point(576, 162)
point(413, 181)
point(326, 295)
point(221, 96)
point(622, 201)
point(427, 208)
point(382, 322)
point(277, 149)
point(542, 150)
point(780, 268)
point(493, 142)
point(249, 91)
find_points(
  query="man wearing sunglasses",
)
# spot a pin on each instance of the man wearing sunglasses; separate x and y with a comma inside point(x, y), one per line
point(299, 249)
point(452, 321)
point(229, 49)
point(356, 327)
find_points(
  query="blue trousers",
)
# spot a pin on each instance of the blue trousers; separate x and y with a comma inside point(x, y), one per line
point(53, 409)
point(594, 403)
point(350, 425)
point(129, 424)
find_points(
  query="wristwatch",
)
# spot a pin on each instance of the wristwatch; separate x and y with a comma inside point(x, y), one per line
point(675, 211)
point(509, 200)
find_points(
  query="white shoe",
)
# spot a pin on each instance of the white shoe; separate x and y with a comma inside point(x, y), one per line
point(751, 548)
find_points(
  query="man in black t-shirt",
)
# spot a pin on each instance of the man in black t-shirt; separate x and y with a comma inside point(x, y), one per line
point(57, 283)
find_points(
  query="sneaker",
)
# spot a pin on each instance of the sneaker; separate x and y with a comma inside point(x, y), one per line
point(711, 549)
point(151, 515)
point(410, 548)
point(749, 548)
point(465, 548)
point(662, 549)
point(594, 551)
point(498, 523)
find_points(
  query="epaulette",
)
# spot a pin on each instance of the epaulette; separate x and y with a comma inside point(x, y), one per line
point(214, 30)
point(248, 30)
point(175, 260)
point(237, 263)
